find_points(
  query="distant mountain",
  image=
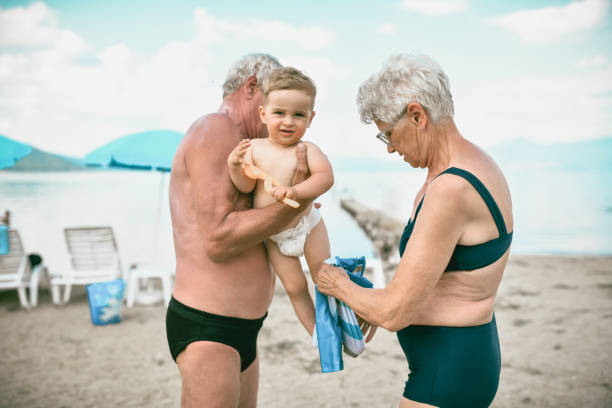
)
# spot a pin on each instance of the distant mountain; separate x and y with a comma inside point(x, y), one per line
point(516, 154)
point(588, 155)
point(39, 160)
point(519, 153)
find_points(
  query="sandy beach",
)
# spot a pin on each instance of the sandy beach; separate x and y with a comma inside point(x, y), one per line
point(554, 315)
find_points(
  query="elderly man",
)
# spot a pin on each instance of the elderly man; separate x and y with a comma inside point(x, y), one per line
point(224, 285)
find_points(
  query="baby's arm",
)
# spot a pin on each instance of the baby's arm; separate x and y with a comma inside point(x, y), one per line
point(234, 163)
point(321, 175)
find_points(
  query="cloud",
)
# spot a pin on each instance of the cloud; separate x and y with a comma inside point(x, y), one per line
point(595, 61)
point(544, 109)
point(435, 7)
point(211, 30)
point(387, 29)
point(545, 25)
point(36, 27)
point(71, 99)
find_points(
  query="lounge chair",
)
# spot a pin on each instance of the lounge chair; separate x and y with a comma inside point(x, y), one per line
point(145, 272)
point(93, 257)
point(15, 271)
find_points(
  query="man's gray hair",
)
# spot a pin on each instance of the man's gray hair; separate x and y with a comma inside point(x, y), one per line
point(405, 78)
point(258, 65)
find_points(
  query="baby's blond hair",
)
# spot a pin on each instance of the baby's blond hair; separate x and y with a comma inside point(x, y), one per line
point(288, 78)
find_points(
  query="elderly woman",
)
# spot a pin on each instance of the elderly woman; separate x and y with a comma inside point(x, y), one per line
point(453, 250)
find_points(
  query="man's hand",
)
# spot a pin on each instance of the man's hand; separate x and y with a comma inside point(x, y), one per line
point(237, 155)
point(302, 172)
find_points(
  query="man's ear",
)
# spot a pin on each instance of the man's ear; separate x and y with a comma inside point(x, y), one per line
point(416, 114)
point(250, 86)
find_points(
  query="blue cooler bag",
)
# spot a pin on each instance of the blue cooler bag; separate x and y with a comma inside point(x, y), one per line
point(105, 300)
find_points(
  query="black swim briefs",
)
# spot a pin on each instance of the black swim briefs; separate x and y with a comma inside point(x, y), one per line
point(184, 325)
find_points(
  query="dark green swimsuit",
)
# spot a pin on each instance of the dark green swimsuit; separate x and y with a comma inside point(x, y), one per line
point(456, 366)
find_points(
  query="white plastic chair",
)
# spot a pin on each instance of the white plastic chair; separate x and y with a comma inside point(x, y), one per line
point(15, 271)
point(146, 272)
point(93, 257)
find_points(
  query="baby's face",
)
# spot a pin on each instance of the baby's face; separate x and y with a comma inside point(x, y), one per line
point(287, 114)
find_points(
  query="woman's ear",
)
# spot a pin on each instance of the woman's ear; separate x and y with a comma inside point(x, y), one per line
point(416, 114)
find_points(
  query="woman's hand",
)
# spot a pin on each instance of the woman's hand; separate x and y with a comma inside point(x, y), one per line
point(365, 328)
point(329, 278)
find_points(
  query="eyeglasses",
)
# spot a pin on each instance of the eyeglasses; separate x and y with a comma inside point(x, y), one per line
point(385, 135)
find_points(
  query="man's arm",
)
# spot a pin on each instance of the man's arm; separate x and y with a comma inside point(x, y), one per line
point(321, 175)
point(227, 232)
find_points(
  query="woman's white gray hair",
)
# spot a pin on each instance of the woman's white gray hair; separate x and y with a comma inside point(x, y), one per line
point(251, 64)
point(405, 78)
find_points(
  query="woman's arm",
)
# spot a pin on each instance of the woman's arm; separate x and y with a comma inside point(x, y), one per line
point(438, 229)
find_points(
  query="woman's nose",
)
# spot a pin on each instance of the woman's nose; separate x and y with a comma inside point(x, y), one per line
point(390, 148)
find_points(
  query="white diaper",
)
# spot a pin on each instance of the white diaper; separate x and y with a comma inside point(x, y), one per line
point(291, 241)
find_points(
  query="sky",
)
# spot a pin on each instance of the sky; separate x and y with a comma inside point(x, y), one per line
point(77, 74)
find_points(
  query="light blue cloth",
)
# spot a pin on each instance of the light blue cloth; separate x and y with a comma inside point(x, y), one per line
point(336, 323)
point(4, 240)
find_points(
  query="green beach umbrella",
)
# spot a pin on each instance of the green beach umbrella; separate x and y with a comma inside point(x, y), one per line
point(11, 152)
point(150, 150)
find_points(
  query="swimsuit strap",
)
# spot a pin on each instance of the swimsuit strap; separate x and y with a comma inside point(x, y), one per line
point(484, 193)
point(418, 208)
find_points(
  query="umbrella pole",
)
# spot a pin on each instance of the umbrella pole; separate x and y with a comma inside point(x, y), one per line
point(160, 197)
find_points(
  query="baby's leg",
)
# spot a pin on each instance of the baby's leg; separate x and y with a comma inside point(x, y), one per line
point(289, 270)
point(316, 248)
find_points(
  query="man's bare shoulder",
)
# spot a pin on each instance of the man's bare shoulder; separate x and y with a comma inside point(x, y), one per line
point(212, 128)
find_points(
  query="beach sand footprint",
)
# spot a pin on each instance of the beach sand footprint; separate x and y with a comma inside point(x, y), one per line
point(606, 287)
point(521, 322)
point(523, 292)
point(563, 286)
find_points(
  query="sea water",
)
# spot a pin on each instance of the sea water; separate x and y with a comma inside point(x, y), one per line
point(556, 211)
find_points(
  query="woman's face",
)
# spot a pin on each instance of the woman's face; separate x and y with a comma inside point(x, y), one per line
point(403, 139)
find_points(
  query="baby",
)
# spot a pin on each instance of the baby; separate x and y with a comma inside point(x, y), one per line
point(287, 111)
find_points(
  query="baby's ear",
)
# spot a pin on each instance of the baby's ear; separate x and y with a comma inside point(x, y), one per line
point(262, 114)
point(312, 115)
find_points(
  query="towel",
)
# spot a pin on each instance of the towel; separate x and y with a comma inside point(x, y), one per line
point(335, 322)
